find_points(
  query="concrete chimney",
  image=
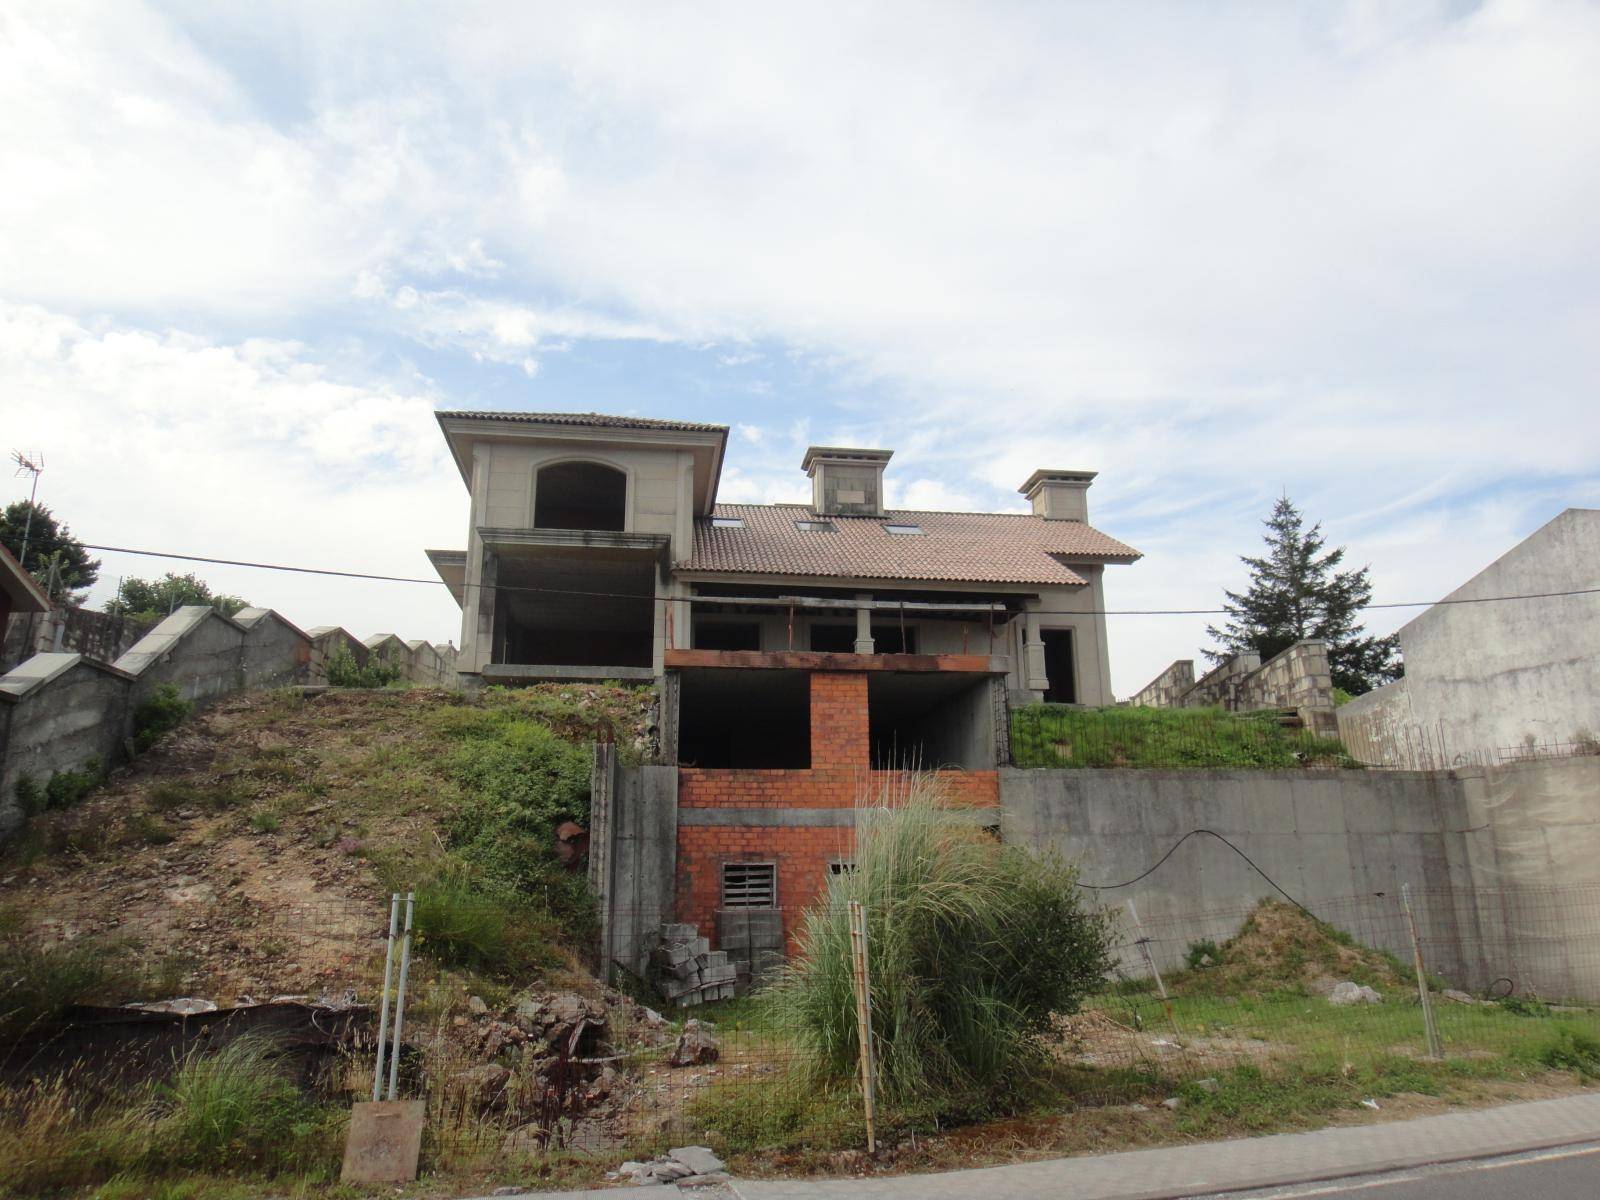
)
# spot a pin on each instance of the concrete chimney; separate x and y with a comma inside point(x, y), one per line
point(846, 480)
point(1059, 495)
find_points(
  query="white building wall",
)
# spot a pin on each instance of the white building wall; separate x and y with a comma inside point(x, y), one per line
point(1482, 678)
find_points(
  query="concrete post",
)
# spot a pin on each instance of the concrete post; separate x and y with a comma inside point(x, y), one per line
point(1033, 651)
point(864, 644)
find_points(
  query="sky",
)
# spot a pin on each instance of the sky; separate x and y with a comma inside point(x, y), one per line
point(1218, 253)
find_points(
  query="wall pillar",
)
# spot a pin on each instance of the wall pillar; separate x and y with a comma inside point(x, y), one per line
point(1037, 680)
point(839, 720)
point(864, 644)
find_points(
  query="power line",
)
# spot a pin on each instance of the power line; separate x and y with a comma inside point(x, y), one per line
point(1065, 612)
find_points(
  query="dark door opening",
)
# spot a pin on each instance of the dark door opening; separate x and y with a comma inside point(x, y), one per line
point(1060, 667)
point(841, 639)
point(714, 635)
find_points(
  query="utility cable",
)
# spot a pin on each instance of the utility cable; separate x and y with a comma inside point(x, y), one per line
point(547, 591)
point(1151, 870)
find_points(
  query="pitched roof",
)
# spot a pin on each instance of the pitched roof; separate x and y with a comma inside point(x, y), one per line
point(955, 547)
point(26, 595)
point(602, 420)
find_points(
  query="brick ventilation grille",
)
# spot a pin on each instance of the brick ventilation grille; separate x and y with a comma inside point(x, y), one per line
point(749, 885)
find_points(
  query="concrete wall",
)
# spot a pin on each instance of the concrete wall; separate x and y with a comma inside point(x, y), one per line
point(70, 630)
point(643, 820)
point(1487, 681)
point(57, 712)
point(1505, 861)
point(1298, 678)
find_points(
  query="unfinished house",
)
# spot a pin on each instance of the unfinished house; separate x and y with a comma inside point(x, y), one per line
point(799, 650)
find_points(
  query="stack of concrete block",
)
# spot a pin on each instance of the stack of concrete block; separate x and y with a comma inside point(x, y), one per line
point(687, 970)
point(753, 939)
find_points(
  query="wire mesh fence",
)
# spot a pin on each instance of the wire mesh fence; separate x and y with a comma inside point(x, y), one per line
point(515, 1067)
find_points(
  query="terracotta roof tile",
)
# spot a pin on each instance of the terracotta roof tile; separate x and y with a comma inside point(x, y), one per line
point(956, 547)
point(602, 420)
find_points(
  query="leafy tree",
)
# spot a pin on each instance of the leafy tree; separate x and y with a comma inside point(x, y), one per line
point(1297, 591)
point(158, 597)
point(48, 539)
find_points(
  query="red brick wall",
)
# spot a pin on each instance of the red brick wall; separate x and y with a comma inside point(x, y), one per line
point(840, 777)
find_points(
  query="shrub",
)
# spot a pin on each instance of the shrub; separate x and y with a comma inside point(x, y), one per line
point(1572, 1050)
point(457, 924)
point(157, 715)
point(1197, 954)
point(974, 945)
point(67, 788)
point(235, 1104)
point(344, 672)
point(30, 796)
point(38, 982)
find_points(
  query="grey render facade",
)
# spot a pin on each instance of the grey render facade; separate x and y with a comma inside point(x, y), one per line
point(597, 549)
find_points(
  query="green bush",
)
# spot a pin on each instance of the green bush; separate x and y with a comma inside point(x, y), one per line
point(30, 796)
point(1195, 957)
point(67, 788)
point(344, 672)
point(157, 715)
point(974, 946)
point(1572, 1050)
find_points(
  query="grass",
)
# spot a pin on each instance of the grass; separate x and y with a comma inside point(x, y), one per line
point(235, 1109)
point(1058, 735)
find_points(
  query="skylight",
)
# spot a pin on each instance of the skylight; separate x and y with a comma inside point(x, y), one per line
point(814, 526)
point(727, 522)
point(905, 530)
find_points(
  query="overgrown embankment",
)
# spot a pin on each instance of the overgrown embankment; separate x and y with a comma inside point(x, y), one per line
point(1058, 735)
point(247, 852)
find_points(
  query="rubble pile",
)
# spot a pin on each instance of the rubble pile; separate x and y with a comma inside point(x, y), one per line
point(686, 1166)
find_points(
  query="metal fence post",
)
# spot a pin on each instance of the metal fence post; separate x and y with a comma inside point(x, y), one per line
point(1150, 961)
point(863, 985)
point(383, 1003)
point(400, 996)
point(1435, 1050)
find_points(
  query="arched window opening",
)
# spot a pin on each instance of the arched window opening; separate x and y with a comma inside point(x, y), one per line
point(580, 495)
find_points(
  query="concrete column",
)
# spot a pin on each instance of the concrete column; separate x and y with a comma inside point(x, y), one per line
point(1033, 651)
point(864, 643)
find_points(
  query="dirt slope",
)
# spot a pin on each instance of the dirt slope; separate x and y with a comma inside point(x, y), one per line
point(247, 854)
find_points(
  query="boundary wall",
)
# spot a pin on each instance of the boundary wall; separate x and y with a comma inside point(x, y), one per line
point(1494, 854)
point(61, 711)
point(1297, 678)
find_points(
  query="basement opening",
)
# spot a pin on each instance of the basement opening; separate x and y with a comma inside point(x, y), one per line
point(928, 721)
point(750, 720)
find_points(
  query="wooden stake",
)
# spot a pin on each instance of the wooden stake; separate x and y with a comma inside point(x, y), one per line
point(863, 984)
point(1435, 1048)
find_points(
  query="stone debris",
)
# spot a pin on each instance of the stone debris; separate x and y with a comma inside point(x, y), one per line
point(186, 1006)
point(1208, 1085)
point(1456, 997)
point(1173, 1102)
point(697, 1044)
point(688, 971)
point(686, 1166)
point(1353, 993)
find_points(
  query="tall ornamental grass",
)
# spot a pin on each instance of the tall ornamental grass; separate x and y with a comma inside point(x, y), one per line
point(973, 945)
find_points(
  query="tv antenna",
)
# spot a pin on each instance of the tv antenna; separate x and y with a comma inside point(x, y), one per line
point(34, 465)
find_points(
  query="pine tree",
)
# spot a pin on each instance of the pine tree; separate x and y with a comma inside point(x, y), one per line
point(1297, 591)
point(47, 539)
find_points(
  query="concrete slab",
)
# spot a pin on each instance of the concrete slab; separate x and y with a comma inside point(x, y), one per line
point(384, 1142)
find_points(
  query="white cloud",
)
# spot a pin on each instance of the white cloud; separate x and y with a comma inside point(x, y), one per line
point(1345, 250)
point(164, 441)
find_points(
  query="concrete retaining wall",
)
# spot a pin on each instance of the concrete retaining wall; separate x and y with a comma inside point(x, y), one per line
point(1505, 860)
point(634, 813)
point(69, 630)
point(1297, 678)
point(59, 711)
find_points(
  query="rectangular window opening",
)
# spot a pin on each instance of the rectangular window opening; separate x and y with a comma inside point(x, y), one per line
point(906, 530)
point(841, 866)
point(749, 885)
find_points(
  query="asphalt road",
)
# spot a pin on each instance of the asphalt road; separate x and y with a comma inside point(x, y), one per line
point(1568, 1174)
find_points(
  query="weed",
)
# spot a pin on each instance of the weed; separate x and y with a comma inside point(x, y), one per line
point(30, 796)
point(67, 788)
point(214, 796)
point(158, 715)
point(41, 980)
point(344, 672)
point(1202, 954)
point(1572, 1050)
point(265, 820)
point(235, 1103)
point(458, 924)
point(141, 828)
